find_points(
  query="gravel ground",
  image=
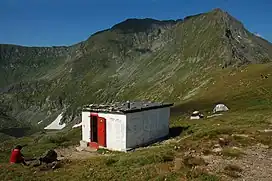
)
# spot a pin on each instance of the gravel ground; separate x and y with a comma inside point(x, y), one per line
point(72, 154)
point(256, 165)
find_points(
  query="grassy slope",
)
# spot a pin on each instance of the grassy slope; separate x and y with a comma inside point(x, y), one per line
point(249, 112)
point(156, 162)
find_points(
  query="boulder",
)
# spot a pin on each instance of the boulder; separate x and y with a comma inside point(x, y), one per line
point(217, 150)
point(83, 144)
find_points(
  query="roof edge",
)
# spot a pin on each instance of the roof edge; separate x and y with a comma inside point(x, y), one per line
point(128, 111)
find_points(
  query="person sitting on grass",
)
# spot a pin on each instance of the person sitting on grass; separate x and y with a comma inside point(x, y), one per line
point(16, 156)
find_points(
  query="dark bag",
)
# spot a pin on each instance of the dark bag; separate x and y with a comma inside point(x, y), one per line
point(49, 157)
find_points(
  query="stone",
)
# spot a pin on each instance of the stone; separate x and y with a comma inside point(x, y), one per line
point(178, 164)
point(241, 135)
point(268, 130)
point(61, 158)
point(223, 142)
point(79, 149)
point(217, 150)
point(207, 157)
point(83, 144)
point(265, 131)
point(187, 153)
point(35, 163)
point(89, 149)
point(262, 146)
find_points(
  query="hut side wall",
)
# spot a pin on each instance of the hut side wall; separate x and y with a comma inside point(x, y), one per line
point(147, 126)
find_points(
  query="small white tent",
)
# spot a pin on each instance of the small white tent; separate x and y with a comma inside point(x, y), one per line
point(196, 115)
point(220, 108)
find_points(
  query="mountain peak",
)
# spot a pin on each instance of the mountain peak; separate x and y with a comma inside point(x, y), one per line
point(218, 10)
point(141, 25)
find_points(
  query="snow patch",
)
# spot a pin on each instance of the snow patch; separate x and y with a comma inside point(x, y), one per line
point(259, 35)
point(56, 124)
point(40, 122)
point(77, 125)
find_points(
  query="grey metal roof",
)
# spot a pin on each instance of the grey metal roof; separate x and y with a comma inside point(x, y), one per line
point(125, 107)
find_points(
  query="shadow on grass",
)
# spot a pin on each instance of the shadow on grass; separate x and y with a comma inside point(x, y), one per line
point(189, 107)
point(173, 132)
point(176, 131)
point(16, 132)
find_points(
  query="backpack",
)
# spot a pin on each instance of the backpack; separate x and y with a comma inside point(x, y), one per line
point(50, 156)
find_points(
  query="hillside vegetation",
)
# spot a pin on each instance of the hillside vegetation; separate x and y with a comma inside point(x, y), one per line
point(149, 59)
point(197, 62)
point(188, 154)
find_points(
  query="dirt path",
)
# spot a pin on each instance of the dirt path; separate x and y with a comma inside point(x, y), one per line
point(255, 165)
point(73, 154)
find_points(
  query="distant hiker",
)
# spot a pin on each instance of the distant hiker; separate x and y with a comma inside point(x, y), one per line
point(16, 155)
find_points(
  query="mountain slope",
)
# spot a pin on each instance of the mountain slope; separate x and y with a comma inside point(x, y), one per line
point(177, 61)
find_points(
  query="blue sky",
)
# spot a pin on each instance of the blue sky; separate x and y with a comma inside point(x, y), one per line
point(65, 22)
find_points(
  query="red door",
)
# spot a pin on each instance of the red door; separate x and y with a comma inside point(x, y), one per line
point(101, 127)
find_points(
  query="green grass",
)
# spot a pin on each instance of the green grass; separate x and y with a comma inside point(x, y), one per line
point(39, 143)
point(153, 163)
point(232, 152)
point(191, 161)
point(208, 177)
point(201, 175)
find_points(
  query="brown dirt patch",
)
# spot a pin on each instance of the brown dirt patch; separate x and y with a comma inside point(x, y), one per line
point(256, 164)
point(72, 154)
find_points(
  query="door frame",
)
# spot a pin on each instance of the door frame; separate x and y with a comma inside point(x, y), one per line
point(101, 131)
point(98, 118)
point(91, 128)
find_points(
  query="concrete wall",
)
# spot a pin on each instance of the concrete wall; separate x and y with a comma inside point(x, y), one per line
point(146, 126)
point(115, 131)
point(86, 126)
point(131, 130)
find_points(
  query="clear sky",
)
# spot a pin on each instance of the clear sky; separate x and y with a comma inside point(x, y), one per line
point(65, 22)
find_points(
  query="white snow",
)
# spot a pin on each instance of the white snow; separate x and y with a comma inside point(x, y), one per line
point(56, 124)
point(77, 125)
point(259, 35)
point(40, 122)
